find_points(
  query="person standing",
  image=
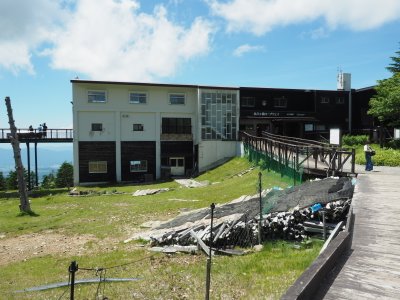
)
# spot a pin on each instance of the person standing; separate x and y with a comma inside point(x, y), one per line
point(44, 129)
point(368, 157)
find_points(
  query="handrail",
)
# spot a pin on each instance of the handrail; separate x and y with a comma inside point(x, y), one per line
point(332, 157)
point(50, 133)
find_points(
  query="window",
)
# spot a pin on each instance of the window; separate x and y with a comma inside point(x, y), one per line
point(340, 100)
point(137, 127)
point(280, 102)
point(97, 127)
point(320, 127)
point(325, 100)
point(219, 114)
point(177, 98)
point(248, 102)
point(308, 127)
point(97, 167)
point(97, 96)
point(138, 98)
point(138, 166)
point(176, 125)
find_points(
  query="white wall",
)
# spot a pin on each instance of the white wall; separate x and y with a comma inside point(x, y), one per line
point(213, 151)
point(148, 120)
point(86, 118)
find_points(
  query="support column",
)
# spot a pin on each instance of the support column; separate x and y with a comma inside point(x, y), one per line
point(118, 146)
point(158, 145)
point(36, 164)
point(28, 153)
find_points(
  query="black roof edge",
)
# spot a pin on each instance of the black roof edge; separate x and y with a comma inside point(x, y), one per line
point(372, 87)
point(210, 86)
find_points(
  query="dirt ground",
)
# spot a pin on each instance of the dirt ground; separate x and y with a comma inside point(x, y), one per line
point(23, 247)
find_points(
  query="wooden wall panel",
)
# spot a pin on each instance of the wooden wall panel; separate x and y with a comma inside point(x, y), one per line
point(96, 151)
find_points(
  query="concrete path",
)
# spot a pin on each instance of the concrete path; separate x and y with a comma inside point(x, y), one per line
point(372, 269)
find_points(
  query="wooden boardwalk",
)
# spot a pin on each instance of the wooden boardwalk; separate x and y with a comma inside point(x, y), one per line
point(372, 269)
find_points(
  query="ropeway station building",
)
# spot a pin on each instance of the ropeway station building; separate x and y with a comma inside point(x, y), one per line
point(133, 132)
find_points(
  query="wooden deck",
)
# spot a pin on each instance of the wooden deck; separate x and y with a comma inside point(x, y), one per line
point(372, 269)
point(35, 136)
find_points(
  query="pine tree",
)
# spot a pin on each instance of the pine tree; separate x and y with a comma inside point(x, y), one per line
point(65, 175)
point(12, 181)
point(394, 67)
point(2, 182)
point(49, 181)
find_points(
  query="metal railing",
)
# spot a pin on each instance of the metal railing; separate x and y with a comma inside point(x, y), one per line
point(26, 134)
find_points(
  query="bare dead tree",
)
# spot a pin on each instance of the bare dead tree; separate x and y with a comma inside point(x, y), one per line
point(23, 195)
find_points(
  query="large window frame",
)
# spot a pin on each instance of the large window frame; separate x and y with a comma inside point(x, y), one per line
point(138, 98)
point(176, 125)
point(97, 96)
point(98, 167)
point(136, 166)
point(177, 98)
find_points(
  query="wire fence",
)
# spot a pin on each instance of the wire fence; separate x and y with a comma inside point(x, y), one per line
point(286, 167)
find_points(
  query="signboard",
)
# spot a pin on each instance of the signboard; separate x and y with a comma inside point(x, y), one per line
point(276, 114)
point(334, 136)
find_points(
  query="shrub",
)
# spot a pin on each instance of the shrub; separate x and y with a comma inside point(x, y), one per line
point(353, 140)
point(394, 144)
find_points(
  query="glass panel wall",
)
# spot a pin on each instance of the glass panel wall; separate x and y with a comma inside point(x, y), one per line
point(218, 115)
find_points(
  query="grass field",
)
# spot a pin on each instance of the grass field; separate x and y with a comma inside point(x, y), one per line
point(38, 250)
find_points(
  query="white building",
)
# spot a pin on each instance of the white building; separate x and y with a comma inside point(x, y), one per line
point(140, 131)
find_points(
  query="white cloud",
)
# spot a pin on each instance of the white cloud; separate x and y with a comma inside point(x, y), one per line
point(316, 34)
point(25, 25)
point(246, 48)
point(109, 40)
point(102, 39)
point(261, 16)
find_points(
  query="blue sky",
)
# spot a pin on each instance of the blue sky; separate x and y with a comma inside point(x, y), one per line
point(268, 43)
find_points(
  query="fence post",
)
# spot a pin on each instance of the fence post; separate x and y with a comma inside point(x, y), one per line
point(72, 269)
point(208, 275)
point(260, 222)
point(324, 224)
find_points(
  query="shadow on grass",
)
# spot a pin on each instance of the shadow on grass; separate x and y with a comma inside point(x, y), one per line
point(29, 213)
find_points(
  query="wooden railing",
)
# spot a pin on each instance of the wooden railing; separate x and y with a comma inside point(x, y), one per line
point(312, 156)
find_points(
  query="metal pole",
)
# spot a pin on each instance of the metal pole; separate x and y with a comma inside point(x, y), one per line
point(72, 269)
point(324, 224)
point(208, 275)
point(260, 221)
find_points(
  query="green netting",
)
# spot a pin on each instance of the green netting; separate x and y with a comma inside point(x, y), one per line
point(266, 162)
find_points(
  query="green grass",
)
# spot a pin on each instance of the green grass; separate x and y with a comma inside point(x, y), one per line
point(110, 219)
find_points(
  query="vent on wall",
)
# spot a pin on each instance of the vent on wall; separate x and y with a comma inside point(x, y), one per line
point(125, 116)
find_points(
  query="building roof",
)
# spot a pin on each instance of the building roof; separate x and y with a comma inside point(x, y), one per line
point(154, 84)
